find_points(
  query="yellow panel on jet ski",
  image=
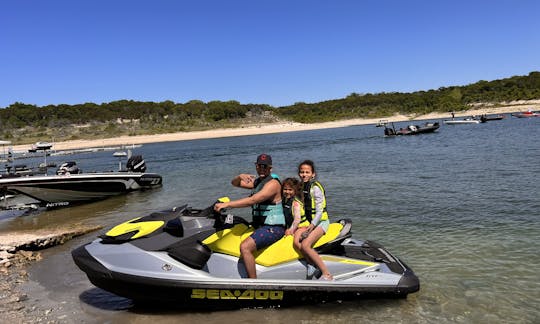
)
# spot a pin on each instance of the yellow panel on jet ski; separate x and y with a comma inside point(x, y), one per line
point(283, 250)
point(142, 228)
point(228, 238)
point(228, 242)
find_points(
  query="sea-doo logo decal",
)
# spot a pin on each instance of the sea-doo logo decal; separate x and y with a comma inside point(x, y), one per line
point(236, 294)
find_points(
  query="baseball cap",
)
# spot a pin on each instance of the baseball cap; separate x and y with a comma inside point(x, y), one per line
point(264, 159)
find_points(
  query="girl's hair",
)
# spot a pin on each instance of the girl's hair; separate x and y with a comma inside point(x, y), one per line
point(295, 184)
point(308, 162)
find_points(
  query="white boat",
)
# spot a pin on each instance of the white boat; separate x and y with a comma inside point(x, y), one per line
point(69, 186)
point(40, 146)
point(461, 121)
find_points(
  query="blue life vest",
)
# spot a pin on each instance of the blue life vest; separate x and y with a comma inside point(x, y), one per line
point(267, 212)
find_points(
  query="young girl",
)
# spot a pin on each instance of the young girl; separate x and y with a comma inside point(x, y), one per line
point(315, 213)
point(293, 206)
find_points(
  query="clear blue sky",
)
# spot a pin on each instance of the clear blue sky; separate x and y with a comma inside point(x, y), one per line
point(274, 52)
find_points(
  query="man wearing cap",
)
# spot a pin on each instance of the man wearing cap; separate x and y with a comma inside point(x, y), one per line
point(267, 211)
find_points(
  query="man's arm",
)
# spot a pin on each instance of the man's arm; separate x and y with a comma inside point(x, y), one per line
point(244, 180)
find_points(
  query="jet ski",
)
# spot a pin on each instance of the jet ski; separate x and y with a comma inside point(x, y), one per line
point(190, 258)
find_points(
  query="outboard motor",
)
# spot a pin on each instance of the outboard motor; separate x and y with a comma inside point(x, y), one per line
point(136, 164)
point(68, 168)
point(389, 132)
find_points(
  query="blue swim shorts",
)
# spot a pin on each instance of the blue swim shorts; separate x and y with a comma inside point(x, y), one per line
point(267, 235)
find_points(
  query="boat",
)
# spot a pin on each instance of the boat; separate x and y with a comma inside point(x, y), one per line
point(486, 118)
point(412, 129)
point(468, 120)
point(71, 186)
point(526, 114)
point(40, 146)
point(186, 257)
point(382, 123)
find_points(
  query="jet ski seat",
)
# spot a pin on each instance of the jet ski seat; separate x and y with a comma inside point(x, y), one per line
point(228, 242)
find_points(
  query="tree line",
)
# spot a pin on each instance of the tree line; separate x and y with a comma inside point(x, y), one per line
point(26, 122)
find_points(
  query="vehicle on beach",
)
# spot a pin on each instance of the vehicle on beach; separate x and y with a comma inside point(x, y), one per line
point(427, 127)
point(190, 258)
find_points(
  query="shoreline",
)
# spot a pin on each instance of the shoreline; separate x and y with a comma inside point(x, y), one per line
point(275, 128)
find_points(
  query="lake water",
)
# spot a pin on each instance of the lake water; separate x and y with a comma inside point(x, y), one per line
point(460, 206)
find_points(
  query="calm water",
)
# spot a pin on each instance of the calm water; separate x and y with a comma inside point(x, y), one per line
point(460, 206)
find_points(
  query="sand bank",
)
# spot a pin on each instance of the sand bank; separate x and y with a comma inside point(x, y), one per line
point(277, 128)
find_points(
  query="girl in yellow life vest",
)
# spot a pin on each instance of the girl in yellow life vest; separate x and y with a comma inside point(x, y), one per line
point(315, 212)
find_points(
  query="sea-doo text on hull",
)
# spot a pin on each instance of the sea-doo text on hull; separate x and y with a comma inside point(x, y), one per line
point(190, 258)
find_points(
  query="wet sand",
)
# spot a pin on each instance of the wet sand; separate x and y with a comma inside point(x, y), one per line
point(280, 128)
point(17, 251)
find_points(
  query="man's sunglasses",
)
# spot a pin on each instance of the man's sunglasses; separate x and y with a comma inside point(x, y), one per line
point(262, 166)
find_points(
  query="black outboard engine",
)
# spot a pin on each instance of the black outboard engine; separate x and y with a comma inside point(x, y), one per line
point(389, 131)
point(136, 164)
point(68, 168)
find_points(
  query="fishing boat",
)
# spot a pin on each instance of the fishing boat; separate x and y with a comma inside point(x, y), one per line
point(486, 118)
point(187, 257)
point(468, 120)
point(526, 114)
point(71, 186)
point(427, 127)
point(40, 146)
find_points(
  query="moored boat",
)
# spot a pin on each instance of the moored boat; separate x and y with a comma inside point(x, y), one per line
point(526, 114)
point(427, 127)
point(469, 120)
point(70, 186)
point(486, 118)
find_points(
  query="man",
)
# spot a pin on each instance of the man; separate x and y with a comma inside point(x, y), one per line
point(267, 211)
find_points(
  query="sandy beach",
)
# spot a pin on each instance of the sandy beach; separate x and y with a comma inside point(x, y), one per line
point(280, 128)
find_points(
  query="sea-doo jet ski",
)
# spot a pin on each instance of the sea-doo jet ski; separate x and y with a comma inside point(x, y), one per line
point(190, 258)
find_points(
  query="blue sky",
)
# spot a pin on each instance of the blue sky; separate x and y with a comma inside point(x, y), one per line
point(271, 52)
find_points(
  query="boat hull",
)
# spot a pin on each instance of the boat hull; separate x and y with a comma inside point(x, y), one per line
point(412, 130)
point(62, 190)
point(526, 115)
point(459, 122)
point(201, 290)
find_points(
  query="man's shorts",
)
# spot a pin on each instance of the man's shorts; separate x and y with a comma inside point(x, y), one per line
point(267, 235)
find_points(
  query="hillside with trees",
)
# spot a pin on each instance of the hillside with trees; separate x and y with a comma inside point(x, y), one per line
point(23, 123)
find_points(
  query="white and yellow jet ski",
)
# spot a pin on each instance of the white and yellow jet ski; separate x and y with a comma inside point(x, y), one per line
point(190, 258)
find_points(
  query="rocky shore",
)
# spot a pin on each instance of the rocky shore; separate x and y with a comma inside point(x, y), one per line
point(17, 251)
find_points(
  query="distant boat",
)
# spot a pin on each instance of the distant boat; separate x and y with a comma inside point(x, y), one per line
point(382, 123)
point(526, 114)
point(462, 121)
point(412, 129)
point(486, 118)
point(40, 146)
